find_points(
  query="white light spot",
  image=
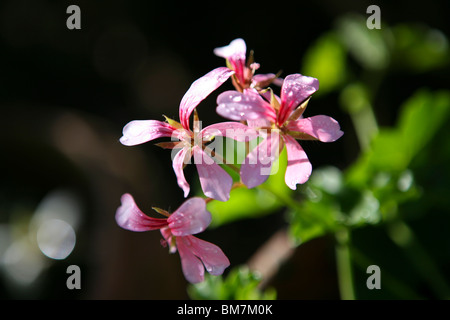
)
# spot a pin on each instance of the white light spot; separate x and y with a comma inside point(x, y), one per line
point(56, 239)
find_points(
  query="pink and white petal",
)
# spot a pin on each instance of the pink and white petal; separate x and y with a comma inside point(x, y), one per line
point(168, 236)
point(321, 127)
point(296, 89)
point(264, 80)
point(216, 183)
point(212, 256)
point(140, 131)
point(130, 217)
point(239, 106)
point(178, 162)
point(298, 168)
point(199, 90)
point(192, 267)
point(233, 130)
point(259, 123)
point(190, 218)
point(257, 166)
point(237, 49)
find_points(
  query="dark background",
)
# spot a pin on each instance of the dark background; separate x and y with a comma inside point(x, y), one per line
point(65, 96)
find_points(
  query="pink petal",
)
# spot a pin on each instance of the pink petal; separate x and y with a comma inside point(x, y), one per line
point(256, 167)
point(178, 162)
point(239, 106)
point(264, 80)
point(235, 53)
point(216, 182)
point(323, 128)
point(140, 131)
point(298, 167)
point(259, 123)
point(190, 218)
point(212, 256)
point(237, 49)
point(199, 90)
point(130, 217)
point(296, 89)
point(168, 236)
point(192, 267)
point(232, 130)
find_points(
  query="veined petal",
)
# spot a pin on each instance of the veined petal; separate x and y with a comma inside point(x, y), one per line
point(239, 106)
point(190, 218)
point(298, 167)
point(296, 88)
point(199, 90)
point(232, 130)
point(178, 163)
point(237, 49)
point(192, 267)
point(216, 182)
point(130, 217)
point(321, 127)
point(212, 256)
point(140, 131)
point(257, 166)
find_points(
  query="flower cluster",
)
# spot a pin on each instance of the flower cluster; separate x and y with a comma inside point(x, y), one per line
point(256, 112)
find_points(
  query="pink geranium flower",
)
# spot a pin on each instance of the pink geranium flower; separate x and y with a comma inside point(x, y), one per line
point(244, 70)
point(216, 183)
point(279, 117)
point(190, 218)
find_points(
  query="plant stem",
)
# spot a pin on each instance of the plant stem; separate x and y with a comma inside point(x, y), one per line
point(402, 235)
point(344, 265)
point(397, 287)
point(222, 160)
point(365, 126)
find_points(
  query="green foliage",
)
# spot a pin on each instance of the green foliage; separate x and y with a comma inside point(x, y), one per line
point(370, 47)
point(385, 186)
point(419, 48)
point(240, 284)
point(370, 191)
point(393, 149)
point(326, 60)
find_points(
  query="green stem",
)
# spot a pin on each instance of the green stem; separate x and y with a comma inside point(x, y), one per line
point(222, 160)
point(285, 199)
point(390, 282)
point(402, 235)
point(365, 125)
point(344, 265)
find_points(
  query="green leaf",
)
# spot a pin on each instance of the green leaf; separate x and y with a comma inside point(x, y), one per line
point(240, 284)
point(422, 116)
point(303, 228)
point(258, 201)
point(244, 203)
point(393, 149)
point(326, 61)
point(420, 48)
point(368, 46)
point(319, 212)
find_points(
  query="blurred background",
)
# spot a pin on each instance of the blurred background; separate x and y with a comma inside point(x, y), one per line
point(65, 96)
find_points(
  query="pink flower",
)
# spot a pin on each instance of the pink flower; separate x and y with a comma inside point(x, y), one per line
point(244, 71)
point(216, 183)
point(190, 218)
point(281, 117)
